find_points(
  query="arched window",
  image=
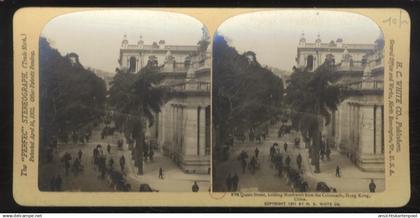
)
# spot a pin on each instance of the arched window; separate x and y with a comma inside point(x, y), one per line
point(132, 66)
point(310, 62)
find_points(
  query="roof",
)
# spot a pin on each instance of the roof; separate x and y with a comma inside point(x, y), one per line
point(165, 48)
point(344, 46)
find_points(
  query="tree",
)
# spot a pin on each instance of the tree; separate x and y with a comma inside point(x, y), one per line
point(71, 97)
point(312, 97)
point(135, 99)
point(245, 94)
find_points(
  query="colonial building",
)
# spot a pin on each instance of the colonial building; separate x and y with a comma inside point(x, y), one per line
point(357, 126)
point(182, 128)
point(312, 55)
point(135, 56)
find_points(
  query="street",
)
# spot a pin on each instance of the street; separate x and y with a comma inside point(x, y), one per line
point(89, 179)
point(265, 179)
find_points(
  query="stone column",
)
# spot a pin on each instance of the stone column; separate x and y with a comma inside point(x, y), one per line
point(174, 140)
point(202, 128)
point(378, 129)
point(366, 130)
point(190, 136)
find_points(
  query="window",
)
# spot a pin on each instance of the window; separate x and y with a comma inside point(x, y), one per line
point(310, 62)
point(132, 64)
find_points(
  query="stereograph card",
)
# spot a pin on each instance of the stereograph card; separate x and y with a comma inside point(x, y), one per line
point(211, 107)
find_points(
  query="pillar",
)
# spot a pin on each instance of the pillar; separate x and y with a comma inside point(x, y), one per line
point(366, 141)
point(202, 128)
point(190, 133)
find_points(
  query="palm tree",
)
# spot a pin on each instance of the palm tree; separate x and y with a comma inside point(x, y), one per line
point(136, 98)
point(312, 97)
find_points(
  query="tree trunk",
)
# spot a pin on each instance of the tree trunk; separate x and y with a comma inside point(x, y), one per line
point(138, 134)
point(316, 148)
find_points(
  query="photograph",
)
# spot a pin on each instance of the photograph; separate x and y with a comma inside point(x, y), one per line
point(298, 103)
point(124, 99)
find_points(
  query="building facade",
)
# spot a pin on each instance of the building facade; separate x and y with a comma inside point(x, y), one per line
point(357, 126)
point(181, 130)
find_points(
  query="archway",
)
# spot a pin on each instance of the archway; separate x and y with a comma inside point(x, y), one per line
point(132, 64)
point(310, 62)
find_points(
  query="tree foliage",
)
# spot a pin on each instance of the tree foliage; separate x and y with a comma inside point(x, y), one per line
point(135, 98)
point(245, 94)
point(312, 96)
point(70, 95)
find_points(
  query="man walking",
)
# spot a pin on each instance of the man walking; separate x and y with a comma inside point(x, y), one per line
point(337, 171)
point(122, 163)
point(111, 164)
point(66, 159)
point(328, 152)
point(243, 163)
point(256, 152)
point(372, 186)
point(235, 182)
point(160, 173)
point(195, 187)
point(288, 161)
point(299, 161)
point(285, 147)
point(108, 148)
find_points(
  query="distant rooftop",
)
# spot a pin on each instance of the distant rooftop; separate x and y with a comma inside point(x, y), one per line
point(334, 45)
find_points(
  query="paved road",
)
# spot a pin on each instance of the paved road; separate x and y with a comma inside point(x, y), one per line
point(352, 179)
point(175, 179)
point(265, 179)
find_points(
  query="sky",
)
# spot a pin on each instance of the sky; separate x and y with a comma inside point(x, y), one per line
point(274, 35)
point(96, 35)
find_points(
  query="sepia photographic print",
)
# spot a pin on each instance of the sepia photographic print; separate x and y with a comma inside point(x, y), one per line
point(124, 103)
point(298, 105)
point(211, 107)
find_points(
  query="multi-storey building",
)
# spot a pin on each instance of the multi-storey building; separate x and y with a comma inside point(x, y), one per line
point(181, 130)
point(357, 126)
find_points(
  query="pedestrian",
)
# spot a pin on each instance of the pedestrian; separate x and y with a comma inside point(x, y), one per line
point(228, 183)
point(111, 163)
point(151, 153)
point(253, 164)
point(102, 166)
point(285, 147)
point(322, 153)
point(80, 153)
point(288, 161)
point(58, 182)
point(299, 161)
point(328, 153)
point(243, 164)
point(256, 152)
point(297, 142)
point(95, 157)
point(108, 148)
point(76, 166)
point(195, 187)
point(235, 182)
point(122, 163)
point(372, 186)
point(337, 171)
point(160, 173)
point(66, 159)
point(280, 169)
point(272, 152)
